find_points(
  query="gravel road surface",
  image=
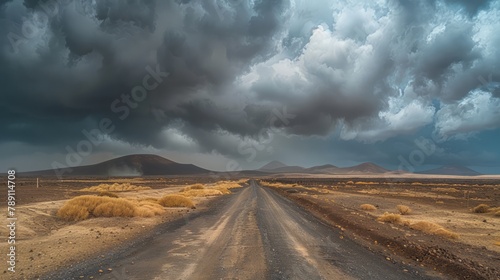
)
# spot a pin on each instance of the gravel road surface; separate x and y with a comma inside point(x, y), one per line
point(252, 234)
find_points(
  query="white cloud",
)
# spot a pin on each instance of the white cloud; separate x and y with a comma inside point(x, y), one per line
point(401, 117)
point(476, 112)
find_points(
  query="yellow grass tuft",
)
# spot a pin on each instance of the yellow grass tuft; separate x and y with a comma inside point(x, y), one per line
point(148, 199)
point(230, 184)
point(197, 187)
point(280, 185)
point(88, 206)
point(433, 228)
point(193, 187)
point(174, 200)
point(223, 190)
point(403, 209)
point(481, 208)
point(108, 194)
point(115, 188)
point(495, 211)
point(201, 193)
point(368, 207)
point(73, 213)
point(148, 208)
point(83, 207)
point(219, 188)
point(115, 208)
point(390, 218)
point(497, 243)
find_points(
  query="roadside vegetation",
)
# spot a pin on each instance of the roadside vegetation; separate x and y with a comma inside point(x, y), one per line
point(219, 188)
point(368, 207)
point(433, 228)
point(108, 204)
point(390, 218)
point(109, 194)
point(93, 206)
point(423, 226)
point(175, 200)
point(403, 209)
point(116, 187)
point(486, 209)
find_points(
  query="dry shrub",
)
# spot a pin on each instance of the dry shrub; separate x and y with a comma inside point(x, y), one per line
point(279, 185)
point(230, 184)
point(368, 207)
point(193, 187)
point(197, 187)
point(390, 218)
point(108, 194)
point(116, 208)
point(201, 193)
point(365, 183)
point(85, 206)
point(497, 213)
point(115, 188)
point(494, 209)
point(70, 212)
point(403, 209)
point(148, 199)
point(174, 200)
point(240, 181)
point(148, 208)
point(433, 228)
point(481, 208)
point(223, 190)
point(225, 186)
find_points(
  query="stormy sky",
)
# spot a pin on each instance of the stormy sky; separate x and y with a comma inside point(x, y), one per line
point(228, 84)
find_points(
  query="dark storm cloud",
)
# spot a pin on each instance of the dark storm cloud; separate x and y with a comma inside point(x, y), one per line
point(472, 7)
point(86, 57)
point(360, 70)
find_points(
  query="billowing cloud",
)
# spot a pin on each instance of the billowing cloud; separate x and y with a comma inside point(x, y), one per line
point(205, 76)
point(477, 112)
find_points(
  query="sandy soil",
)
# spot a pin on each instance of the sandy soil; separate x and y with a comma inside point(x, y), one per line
point(46, 243)
point(253, 233)
point(447, 202)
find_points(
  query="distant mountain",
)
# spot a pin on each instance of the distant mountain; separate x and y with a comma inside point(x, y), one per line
point(131, 165)
point(451, 170)
point(327, 168)
point(366, 167)
point(279, 167)
point(273, 165)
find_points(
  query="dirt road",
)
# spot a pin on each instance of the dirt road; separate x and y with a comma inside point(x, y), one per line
point(252, 234)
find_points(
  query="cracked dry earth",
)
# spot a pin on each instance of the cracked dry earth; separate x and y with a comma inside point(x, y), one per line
point(252, 234)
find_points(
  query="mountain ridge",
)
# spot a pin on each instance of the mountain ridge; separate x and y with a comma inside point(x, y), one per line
point(451, 170)
point(129, 165)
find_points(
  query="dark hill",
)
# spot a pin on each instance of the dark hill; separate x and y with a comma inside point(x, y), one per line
point(452, 170)
point(131, 165)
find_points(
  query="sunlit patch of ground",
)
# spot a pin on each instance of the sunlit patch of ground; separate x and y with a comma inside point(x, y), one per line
point(448, 205)
point(47, 242)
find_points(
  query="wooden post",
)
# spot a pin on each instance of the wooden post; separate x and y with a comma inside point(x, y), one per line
point(37, 183)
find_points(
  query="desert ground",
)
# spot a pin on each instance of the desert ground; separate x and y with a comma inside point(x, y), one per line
point(47, 243)
point(457, 238)
point(279, 227)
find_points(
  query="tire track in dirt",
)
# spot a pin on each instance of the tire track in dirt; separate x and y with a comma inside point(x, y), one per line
point(252, 234)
